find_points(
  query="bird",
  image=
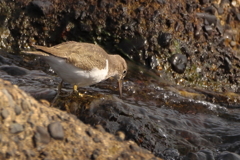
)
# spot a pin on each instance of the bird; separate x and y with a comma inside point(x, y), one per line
point(82, 64)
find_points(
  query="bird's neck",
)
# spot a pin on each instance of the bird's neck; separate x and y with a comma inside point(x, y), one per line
point(113, 66)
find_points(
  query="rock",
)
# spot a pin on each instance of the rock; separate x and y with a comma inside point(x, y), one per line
point(178, 62)
point(201, 155)
point(5, 113)
point(208, 29)
point(16, 128)
point(164, 39)
point(228, 156)
point(17, 110)
point(56, 130)
point(14, 70)
point(42, 6)
point(41, 135)
point(209, 19)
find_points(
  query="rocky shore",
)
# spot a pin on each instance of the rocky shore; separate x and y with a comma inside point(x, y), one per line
point(180, 97)
point(30, 130)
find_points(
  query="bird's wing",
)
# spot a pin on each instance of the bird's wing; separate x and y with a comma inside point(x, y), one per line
point(82, 55)
point(86, 56)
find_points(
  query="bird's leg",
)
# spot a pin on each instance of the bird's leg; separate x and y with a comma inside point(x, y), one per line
point(75, 89)
point(58, 93)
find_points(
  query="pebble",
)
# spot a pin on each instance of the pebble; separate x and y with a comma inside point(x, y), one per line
point(16, 128)
point(25, 105)
point(209, 19)
point(125, 155)
point(164, 39)
point(56, 130)
point(96, 140)
point(89, 132)
point(100, 128)
point(17, 110)
point(5, 113)
point(178, 62)
point(120, 136)
point(134, 147)
point(42, 135)
point(233, 43)
point(208, 29)
point(29, 153)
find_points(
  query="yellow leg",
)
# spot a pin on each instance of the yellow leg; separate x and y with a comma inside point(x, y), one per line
point(75, 89)
point(58, 93)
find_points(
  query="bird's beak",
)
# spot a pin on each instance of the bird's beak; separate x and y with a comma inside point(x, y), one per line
point(120, 81)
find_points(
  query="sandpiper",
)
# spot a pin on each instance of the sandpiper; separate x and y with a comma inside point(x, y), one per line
point(82, 64)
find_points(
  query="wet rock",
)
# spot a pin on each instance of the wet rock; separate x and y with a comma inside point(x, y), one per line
point(201, 155)
point(164, 39)
point(171, 153)
point(228, 156)
point(178, 62)
point(16, 128)
point(41, 135)
point(3, 60)
point(56, 130)
point(43, 7)
point(4, 113)
point(14, 70)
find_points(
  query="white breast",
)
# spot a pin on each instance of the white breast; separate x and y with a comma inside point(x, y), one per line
point(74, 75)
